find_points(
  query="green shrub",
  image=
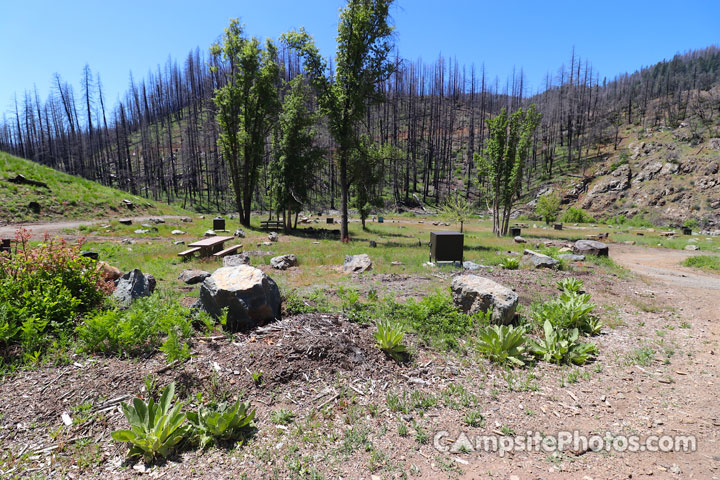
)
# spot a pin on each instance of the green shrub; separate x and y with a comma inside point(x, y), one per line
point(502, 344)
point(434, 318)
point(150, 323)
point(571, 284)
point(214, 423)
point(510, 263)
point(570, 310)
point(562, 346)
point(155, 428)
point(389, 338)
point(43, 289)
point(706, 262)
point(548, 207)
point(577, 215)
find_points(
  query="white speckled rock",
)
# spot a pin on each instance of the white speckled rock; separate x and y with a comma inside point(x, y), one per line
point(250, 296)
point(474, 294)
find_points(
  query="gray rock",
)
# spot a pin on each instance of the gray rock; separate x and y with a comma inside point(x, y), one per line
point(192, 276)
point(125, 221)
point(474, 294)
point(468, 265)
point(240, 233)
point(357, 263)
point(177, 232)
point(283, 262)
point(132, 286)
point(140, 230)
point(236, 260)
point(250, 296)
point(273, 237)
point(156, 220)
point(590, 247)
point(571, 257)
point(186, 219)
point(210, 233)
point(179, 242)
point(538, 260)
point(692, 247)
point(519, 239)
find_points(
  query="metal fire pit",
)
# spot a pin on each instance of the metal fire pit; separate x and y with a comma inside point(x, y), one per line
point(446, 246)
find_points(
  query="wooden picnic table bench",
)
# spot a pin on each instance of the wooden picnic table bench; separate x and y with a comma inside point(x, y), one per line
point(272, 223)
point(206, 246)
point(227, 251)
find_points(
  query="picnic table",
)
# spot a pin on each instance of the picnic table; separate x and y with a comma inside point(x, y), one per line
point(208, 246)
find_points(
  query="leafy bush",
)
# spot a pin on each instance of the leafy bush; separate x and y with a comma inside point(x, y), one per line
point(155, 428)
point(577, 215)
point(389, 338)
point(570, 310)
point(562, 346)
point(435, 318)
point(548, 207)
point(43, 289)
point(706, 262)
point(510, 263)
point(571, 284)
point(502, 344)
point(149, 323)
point(213, 423)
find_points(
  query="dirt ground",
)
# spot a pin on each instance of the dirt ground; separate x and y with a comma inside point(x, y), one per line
point(328, 371)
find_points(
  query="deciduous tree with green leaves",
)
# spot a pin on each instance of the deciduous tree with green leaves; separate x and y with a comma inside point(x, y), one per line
point(361, 65)
point(503, 160)
point(247, 104)
point(548, 207)
point(457, 209)
point(292, 172)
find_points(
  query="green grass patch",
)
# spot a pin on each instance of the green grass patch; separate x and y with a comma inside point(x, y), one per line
point(703, 262)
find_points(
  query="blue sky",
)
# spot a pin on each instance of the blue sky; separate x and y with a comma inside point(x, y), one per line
point(41, 37)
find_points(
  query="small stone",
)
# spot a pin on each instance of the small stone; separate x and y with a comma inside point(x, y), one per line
point(192, 276)
point(240, 233)
point(273, 237)
point(357, 263)
point(236, 260)
point(283, 262)
point(519, 239)
point(140, 230)
point(177, 232)
point(209, 233)
point(692, 247)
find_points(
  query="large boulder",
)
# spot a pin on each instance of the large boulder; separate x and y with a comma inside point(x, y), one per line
point(474, 294)
point(538, 260)
point(191, 276)
point(590, 247)
point(250, 296)
point(357, 263)
point(236, 260)
point(283, 262)
point(132, 286)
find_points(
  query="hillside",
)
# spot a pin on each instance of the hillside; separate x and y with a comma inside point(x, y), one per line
point(66, 196)
point(659, 175)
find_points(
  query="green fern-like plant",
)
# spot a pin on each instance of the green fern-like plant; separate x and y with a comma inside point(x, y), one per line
point(155, 428)
point(389, 337)
point(221, 422)
point(502, 344)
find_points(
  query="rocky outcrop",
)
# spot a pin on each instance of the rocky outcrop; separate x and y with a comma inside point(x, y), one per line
point(249, 295)
point(133, 285)
point(357, 263)
point(475, 294)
